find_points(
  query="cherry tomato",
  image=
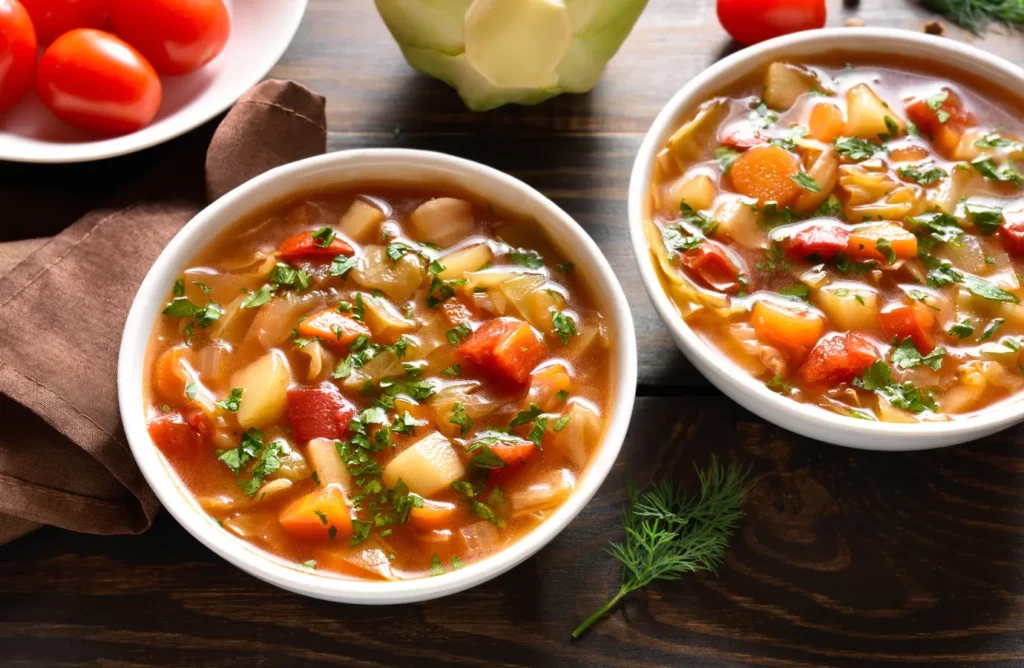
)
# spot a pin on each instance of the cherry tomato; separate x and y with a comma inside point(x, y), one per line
point(753, 21)
point(17, 52)
point(176, 36)
point(95, 81)
point(53, 18)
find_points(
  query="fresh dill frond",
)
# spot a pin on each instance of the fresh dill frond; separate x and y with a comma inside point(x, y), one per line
point(976, 14)
point(670, 533)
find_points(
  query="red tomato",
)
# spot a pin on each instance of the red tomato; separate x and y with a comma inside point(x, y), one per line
point(17, 52)
point(753, 21)
point(1012, 232)
point(823, 240)
point(838, 358)
point(94, 81)
point(53, 18)
point(711, 264)
point(913, 321)
point(176, 36)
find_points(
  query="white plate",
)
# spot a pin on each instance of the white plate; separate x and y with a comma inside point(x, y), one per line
point(260, 32)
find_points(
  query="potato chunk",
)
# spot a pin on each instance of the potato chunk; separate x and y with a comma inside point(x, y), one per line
point(426, 467)
point(327, 463)
point(866, 113)
point(459, 263)
point(785, 83)
point(849, 307)
point(443, 221)
point(360, 220)
point(264, 386)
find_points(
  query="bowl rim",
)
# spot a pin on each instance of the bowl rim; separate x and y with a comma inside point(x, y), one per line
point(184, 120)
point(721, 371)
point(301, 175)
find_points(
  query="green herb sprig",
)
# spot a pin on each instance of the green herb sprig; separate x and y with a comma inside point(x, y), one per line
point(670, 533)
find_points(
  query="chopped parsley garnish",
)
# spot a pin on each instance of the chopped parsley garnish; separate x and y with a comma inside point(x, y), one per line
point(986, 219)
point(907, 356)
point(892, 129)
point(453, 371)
point(440, 291)
point(762, 116)
point(203, 287)
point(267, 457)
point(324, 237)
point(565, 267)
point(179, 288)
point(459, 418)
point(963, 329)
point(562, 395)
point(537, 432)
point(800, 291)
point(778, 384)
point(919, 174)
point(525, 258)
point(940, 228)
point(259, 297)
point(787, 140)
point(806, 181)
point(560, 423)
point(191, 390)
point(885, 248)
point(689, 215)
point(830, 208)
point(526, 417)
point(564, 326)
point(205, 315)
point(990, 329)
point(725, 157)
point(458, 334)
point(878, 378)
point(995, 140)
point(935, 103)
point(311, 564)
point(855, 149)
point(343, 264)
point(986, 290)
point(990, 170)
point(232, 401)
point(435, 565)
point(775, 260)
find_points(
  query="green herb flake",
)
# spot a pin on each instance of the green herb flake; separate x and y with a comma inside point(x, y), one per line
point(435, 565)
point(907, 356)
point(259, 297)
point(324, 237)
point(232, 401)
point(525, 258)
point(191, 390)
point(964, 329)
point(461, 419)
point(564, 326)
point(806, 181)
point(459, 333)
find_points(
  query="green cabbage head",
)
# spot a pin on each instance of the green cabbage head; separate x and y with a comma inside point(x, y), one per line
point(499, 51)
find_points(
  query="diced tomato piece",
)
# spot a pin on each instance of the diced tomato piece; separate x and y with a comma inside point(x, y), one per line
point(507, 347)
point(177, 436)
point(516, 457)
point(821, 239)
point(945, 135)
point(743, 137)
point(314, 515)
point(712, 266)
point(303, 245)
point(792, 329)
point(1012, 232)
point(838, 358)
point(826, 122)
point(335, 329)
point(319, 412)
point(913, 321)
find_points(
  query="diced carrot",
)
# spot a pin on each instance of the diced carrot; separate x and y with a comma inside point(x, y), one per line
point(312, 516)
point(319, 412)
point(908, 154)
point(507, 347)
point(169, 374)
point(454, 311)
point(865, 239)
point(433, 515)
point(517, 456)
point(766, 174)
point(713, 267)
point(794, 330)
point(1012, 232)
point(821, 239)
point(914, 321)
point(335, 329)
point(826, 123)
point(944, 126)
point(743, 136)
point(176, 436)
point(303, 245)
point(838, 358)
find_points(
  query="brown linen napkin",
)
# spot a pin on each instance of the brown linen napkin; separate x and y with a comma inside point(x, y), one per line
point(64, 459)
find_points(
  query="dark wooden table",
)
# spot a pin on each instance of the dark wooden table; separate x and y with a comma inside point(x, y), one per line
point(845, 558)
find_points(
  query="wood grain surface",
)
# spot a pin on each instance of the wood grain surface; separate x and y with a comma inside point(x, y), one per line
point(845, 558)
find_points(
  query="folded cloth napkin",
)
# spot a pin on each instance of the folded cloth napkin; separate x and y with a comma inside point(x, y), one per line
point(64, 459)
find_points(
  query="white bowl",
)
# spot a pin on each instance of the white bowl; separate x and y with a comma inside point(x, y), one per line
point(391, 166)
point(723, 373)
point(260, 33)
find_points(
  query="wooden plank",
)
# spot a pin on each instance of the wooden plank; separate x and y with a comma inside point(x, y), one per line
point(845, 558)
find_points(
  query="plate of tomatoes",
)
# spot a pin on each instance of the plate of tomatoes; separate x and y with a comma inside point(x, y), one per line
point(83, 80)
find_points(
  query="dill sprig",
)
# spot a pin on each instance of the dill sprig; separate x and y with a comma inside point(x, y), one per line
point(670, 533)
point(976, 14)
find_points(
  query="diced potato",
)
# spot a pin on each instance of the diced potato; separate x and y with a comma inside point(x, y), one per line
point(738, 220)
point(399, 279)
point(785, 83)
point(459, 263)
point(849, 307)
point(427, 467)
point(326, 461)
point(384, 320)
point(580, 435)
point(361, 220)
point(443, 221)
point(866, 113)
point(264, 386)
point(697, 191)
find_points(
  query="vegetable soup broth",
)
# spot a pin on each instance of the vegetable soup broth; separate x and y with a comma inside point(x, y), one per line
point(843, 256)
point(285, 337)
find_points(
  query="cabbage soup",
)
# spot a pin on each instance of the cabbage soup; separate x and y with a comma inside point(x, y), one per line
point(378, 382)
point(852, 236)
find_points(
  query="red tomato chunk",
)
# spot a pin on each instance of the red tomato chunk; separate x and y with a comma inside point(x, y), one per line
point(713, 267)
point(303, 245)
point(1012, 232)
point(913, 321)
point(177, 437)
point(823, 240)
point(838, 358)
point(506, 347)
point(319, 412)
